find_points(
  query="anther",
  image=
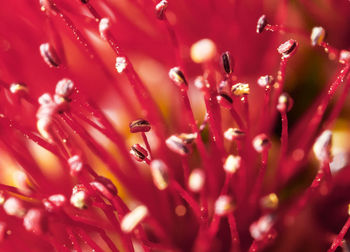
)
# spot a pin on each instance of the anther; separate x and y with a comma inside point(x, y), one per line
point(227, 62)
point(84, 1)
point(224, 205)
point(259, 228)
point(201, 83)
point(224, 100)
point(80, 197)
point(133, 218)
point(139, 125)
point(120, 64)
point(344, 57)
point(203, 51)
point(176, 144)
point(64, 88)
point(49, 55)
point(317, 36)
point(261, 143)
point(159, 171)
point(322, 146)
point(76, 165)
point(262, 22)
point(103, 27)
point(188, 138)
point(240, 89)
point(234, 134)
point(138, 152)
point(266, 80)
point(16, 88)
point(285, 103)
point(161, 8)
point(35, 221)
point(269, 201)
point(196, 180)
point(288, 48)
point(178, 77)
point(232, 164)
point(14, 207)
point(55, 202)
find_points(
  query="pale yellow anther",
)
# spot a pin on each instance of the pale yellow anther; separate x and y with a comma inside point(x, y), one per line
point(317, 35)
point(203, 51)
point(270, 201)
point(132, 219)
point(232, 163)
point(16, 87)
point(240, 89)
point(196, 180)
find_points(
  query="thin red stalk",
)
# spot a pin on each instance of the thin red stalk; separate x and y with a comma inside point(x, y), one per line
point(186, 169)
point(246, 112)
point(96, 148)
point(338, 107)
point(237, 118)
point(284, 136)
point(73, 239)
point(174, 41)
point(214, 121)
point(256, 191)
point(338, 240)
point(148, 147)
point(88, 240)
point(234, 232)
point(139, 88)
point(110, 133)
point(309, 131)
point(187, 197)
point(193, 125)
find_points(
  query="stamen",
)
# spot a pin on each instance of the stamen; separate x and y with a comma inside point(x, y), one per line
point(35, 221)
point(224, 205)
point(139, 125)
point(227, 63)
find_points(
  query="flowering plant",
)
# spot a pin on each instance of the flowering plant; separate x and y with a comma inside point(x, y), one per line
point(164, 126)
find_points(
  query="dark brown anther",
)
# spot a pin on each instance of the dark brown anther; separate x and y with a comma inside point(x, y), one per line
point(177, 145)
point(84, 1)
point(285, 103)
point(262, 22)
point(178, 77)
point(224, 100)
point(139, 125)
point(227, 62)
point(161, 8)
point(138, 152)
point(288, 48)
point(49, 55)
